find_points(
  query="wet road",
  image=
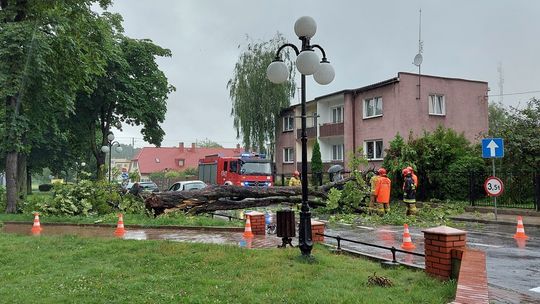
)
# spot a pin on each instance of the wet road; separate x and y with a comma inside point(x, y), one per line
point(511, 265)
point(180, 235)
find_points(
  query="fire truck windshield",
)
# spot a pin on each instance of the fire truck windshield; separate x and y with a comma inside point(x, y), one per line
point(256, 168)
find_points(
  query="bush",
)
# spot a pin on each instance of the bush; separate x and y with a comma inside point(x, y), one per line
point(3, 199)
point(86, 198)
point(455, 183)
point(45, 187)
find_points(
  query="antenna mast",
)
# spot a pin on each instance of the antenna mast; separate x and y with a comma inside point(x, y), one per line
point(501, 82)
point(418, 58)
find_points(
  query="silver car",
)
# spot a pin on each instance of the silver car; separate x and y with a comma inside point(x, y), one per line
point(188, 185)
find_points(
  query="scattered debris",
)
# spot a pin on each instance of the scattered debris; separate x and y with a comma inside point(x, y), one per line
point(379, 281)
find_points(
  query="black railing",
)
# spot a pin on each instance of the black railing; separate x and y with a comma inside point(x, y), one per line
point(230, 217)
point(392, 249)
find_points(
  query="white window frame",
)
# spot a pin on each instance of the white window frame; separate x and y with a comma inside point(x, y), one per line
point(288, 123)
point(288, 155)
point(337, 152)
point(375, 101)
point(432, 100)
point(335, 117)
point(374, 143)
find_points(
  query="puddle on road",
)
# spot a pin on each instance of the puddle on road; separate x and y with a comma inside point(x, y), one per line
point(178, 235)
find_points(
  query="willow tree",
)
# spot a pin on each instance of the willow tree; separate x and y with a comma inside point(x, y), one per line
point(256, 102)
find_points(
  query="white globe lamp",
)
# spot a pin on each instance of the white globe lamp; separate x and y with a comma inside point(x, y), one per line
point(307, 62)
point(277, 72)
point(305, 27)
point(325, 74)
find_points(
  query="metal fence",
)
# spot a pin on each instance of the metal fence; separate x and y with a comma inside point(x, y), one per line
point(392, 249)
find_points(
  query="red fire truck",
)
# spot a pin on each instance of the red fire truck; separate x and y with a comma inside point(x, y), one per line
point(247, 170)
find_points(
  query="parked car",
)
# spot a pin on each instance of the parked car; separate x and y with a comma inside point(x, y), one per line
point(188, 185)
point(144, 186)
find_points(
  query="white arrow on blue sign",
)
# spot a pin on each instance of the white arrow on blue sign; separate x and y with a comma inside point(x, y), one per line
point(492, 148)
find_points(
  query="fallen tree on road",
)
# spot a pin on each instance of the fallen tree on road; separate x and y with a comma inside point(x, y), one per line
point(215, 198)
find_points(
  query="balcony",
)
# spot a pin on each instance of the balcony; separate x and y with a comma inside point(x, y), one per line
point(331, 129)
point(310, 133)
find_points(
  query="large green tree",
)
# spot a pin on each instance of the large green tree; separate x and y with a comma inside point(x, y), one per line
point(132, 91)
point(49, 51)
point(256, 102)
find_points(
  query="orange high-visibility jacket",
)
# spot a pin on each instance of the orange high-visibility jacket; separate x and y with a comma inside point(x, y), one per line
point(382, 190)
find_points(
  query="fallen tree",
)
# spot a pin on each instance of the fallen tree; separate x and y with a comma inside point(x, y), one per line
point(215, 198)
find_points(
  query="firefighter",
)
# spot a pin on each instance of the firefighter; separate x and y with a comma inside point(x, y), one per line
point(414, 177)
point(295, 180)
point(373, 183)
point(409, 191)
point(382, 192)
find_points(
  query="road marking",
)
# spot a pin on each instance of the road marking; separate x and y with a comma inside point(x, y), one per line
point(364, 227)
point(485, 245)
point(537, 289)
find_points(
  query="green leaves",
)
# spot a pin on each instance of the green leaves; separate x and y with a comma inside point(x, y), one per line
point(256, 102)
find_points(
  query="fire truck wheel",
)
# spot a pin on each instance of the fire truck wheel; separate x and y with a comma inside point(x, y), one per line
point(228, 183)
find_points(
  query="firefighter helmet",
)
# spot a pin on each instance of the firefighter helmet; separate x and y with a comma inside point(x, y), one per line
point(296, 173)
point(382, 171)
point(410, 168)
point(406, 171)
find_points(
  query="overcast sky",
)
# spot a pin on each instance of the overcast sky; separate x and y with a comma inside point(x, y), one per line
point(366, 41)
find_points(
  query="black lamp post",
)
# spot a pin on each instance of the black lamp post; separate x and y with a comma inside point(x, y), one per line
point(307, 63)
point(108, 149)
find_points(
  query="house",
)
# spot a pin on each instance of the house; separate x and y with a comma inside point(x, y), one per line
point(370, 117)
point(152, 159)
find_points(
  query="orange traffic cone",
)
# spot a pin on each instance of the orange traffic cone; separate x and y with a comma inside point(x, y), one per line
point(247, 230)
point(120, 226)
point(407, 242)
point(520, 233)
point(36, 228)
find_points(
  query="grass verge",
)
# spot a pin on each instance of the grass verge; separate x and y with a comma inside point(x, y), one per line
point(88, 270)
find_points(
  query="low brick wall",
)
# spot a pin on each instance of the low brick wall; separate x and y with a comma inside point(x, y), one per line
point(317, 228)
point(439, 243)
point(258, 225)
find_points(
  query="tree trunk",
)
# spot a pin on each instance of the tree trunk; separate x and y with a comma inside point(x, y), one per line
point(11, 181)
point(21, 176)
point(28, 182)
point(226, 198)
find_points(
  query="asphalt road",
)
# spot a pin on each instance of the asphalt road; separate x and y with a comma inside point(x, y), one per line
point(511, 265)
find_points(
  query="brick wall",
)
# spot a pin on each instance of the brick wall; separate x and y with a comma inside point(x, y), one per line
point(439, 243)
point(258, 225)
point(317, 227)
point(472, 284)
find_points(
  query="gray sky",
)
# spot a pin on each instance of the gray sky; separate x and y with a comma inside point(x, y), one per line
point(366, 41)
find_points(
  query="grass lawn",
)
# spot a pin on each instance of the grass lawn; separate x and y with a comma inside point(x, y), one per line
point(72, 269)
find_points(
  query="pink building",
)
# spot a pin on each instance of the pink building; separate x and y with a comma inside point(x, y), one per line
point(371, 116)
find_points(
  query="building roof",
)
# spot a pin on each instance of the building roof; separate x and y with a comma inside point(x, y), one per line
point(374, 86)
point(151, 159)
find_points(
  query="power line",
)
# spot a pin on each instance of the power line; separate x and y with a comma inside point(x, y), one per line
point(517, 93)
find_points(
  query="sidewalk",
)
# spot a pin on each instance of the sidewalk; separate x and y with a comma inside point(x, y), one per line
point(486, 215)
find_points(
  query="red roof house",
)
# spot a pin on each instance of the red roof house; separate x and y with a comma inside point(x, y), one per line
point(152, 159)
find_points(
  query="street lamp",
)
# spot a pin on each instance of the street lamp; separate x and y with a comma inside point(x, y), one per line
point(108, 149)
point(78, 166)
point(307, 63)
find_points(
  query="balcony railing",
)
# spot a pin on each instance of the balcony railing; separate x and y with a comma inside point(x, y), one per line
point(331, 129)
point(310, 133)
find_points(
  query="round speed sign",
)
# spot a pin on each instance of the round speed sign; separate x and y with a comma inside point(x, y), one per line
point(493, 186)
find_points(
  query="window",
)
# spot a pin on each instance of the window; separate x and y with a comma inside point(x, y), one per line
point(288, 155)
point(157, 160)
point(233, 167)
point(373, 107)
point(288, 123)
point(436, 105)
point(181, 162)
point(337, 115)
point(374, 149)
point(337, 152)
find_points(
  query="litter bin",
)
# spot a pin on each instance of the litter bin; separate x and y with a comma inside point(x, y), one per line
point(286, 226)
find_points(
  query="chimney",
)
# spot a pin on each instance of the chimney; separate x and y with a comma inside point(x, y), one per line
point(237, 146)
point(181, 146)
point(192, 147)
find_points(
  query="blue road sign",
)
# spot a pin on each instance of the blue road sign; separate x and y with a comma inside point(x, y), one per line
point(125, 175)
point(492, 148)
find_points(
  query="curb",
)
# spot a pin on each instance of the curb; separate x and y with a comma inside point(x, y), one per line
point(483, 221)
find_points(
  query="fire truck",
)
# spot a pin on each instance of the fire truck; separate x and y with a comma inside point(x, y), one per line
point(247, 170)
